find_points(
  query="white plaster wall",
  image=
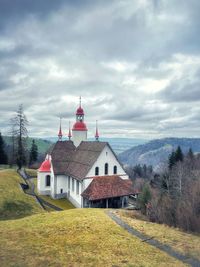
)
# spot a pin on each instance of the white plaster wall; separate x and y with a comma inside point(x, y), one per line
point(78, 136)
point(41, 183)
point(73, 194)
point(86, 183)
point(107, 156)
point(61, 184)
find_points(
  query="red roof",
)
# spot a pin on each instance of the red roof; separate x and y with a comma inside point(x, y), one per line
point(80, 111)
point(79, 126)
point(45, 166)
point(103, 187)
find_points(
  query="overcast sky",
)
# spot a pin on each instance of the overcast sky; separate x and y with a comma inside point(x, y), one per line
point(135, 63)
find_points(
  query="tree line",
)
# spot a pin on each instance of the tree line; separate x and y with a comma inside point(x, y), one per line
point(173, 196)
point(18, 153)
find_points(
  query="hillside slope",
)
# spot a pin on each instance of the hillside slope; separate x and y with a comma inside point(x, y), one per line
point(43, 145)
point(79, 237)
point(14, 203)
point(157, 152)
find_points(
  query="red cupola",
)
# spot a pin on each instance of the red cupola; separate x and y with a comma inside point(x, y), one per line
point(80, 111)
point(45, 166)
point(79, 126)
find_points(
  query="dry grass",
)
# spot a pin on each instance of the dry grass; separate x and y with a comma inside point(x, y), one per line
point(78, 237)
point(31, 172)
point(186, 243)
point(13, 202)
point(63, 203)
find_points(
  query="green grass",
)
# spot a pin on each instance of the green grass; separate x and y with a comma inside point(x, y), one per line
point(13, 202)
point(63, 203)
point(185, 243)
point(77, 237)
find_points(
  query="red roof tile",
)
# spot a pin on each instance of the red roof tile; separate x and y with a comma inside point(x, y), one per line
point(103, 187)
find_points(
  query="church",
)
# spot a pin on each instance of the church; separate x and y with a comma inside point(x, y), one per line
point(87, 173)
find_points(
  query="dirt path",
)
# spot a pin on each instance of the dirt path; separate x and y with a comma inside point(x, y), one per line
point(169, 250)
point(31, 192)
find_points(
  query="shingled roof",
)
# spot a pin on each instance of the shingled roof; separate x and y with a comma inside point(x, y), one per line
point(103, 187)
point(61, 154)
point(76, 162)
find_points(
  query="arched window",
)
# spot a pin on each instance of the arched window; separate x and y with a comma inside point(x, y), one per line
point(48, 180)
point(115, 169)
point(106, 168)
point(97, 171)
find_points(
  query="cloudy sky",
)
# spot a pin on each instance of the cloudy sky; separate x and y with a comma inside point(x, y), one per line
point(136, 64)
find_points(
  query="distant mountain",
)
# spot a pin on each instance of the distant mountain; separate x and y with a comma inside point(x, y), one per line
point(43, 145)
point(156, 152)
point(118, 144)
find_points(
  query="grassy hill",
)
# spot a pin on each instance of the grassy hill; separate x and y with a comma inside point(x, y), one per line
point(77, 237)
point(13, 202)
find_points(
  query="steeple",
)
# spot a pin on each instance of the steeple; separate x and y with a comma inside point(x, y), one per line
point(60, 132)
point(69, 134)
point(79, 130)
point(97, 132)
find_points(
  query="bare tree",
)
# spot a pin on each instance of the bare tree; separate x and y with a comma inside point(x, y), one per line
point(19, 124)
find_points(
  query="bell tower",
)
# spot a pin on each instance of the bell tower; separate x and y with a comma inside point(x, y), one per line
point(79, 130)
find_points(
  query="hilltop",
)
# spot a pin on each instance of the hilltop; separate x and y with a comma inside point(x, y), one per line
point(157, 151)
point(31, 236)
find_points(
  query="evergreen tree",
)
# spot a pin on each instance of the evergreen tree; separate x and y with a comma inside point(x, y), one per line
point(172, 160)
point(190, 154)
point(144, 198)
point(3, 156)
point(33, 152)
point(179, 154)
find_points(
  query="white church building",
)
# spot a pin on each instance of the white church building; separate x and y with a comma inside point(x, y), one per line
point(87, 173)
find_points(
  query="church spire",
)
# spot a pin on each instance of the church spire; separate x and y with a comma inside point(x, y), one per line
point(69, 134)
point(97, 132)
point(60, 132)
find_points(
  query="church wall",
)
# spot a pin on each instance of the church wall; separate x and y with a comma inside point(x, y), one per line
point(78, 137)
point(41, 183)
point(75, 198)
point(61, 184)
point(107, 156)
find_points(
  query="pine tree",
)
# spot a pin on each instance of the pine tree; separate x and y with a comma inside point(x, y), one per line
point(33, 153)
point(190, 154)
point(172, 160)
point(179, 154)
point(3, 155)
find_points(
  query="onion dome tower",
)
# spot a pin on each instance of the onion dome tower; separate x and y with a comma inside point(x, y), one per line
point(97, 132)
point(60, 132)
point(79, 130)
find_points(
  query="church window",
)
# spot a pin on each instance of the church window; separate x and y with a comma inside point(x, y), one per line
point(48, 180)
point(77, 187)
point(97, 171)
point(106, 168)
point(73, 184)
point(115, 169)
point(61, 190)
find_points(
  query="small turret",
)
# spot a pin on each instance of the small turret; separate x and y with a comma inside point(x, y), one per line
point(69, 134)
point(97, 132)
point(60, 132)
